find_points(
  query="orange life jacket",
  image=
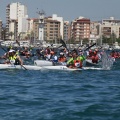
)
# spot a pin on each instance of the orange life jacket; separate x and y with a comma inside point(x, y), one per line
point(77, 63)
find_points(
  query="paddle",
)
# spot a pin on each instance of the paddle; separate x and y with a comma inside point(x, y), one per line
point(17, 42)
point(23, 67)
point(90, 47)
point(63, 44)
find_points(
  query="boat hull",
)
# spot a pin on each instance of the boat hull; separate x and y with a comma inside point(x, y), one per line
point(90, 63)
point(24, 67)
point(63, 68)
point(43, 63)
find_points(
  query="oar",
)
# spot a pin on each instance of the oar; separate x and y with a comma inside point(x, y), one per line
point(23, 67)
point(63, 44)
point(17, 42)
point(90, 47)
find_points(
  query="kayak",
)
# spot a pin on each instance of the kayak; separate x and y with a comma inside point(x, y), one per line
point(92, 68)
point(63, 68)
point(43, 63)
point(90, 63)
point(47, 63)
point(24, 67)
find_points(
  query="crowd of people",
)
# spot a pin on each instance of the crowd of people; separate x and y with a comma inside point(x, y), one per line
point(72, 59)
point(115, 54)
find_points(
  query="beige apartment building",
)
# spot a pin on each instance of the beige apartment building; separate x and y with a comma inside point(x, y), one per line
point(51, 29)
point(94, 29)
point(80, 28)
point(109, 27)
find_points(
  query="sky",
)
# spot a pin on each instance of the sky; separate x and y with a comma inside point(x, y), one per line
point(95, 10)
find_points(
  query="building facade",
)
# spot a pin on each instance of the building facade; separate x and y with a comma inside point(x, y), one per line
point(66, 31)
point(52, 29)
point(16, 20)
point(80, 28)
point(109, 27)
point(94, 31)
point(60, 19)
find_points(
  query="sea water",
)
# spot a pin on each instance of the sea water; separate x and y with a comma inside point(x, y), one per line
point(60, 95)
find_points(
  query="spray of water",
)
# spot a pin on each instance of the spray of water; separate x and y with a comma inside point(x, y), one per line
point(107, 61)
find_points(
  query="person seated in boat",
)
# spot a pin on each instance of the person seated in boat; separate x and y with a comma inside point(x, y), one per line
point(54, 58)
point(62, 58)
point(89, 54)
point(75, 61)
point(48, 54)
point(95, 57)
point(14, 58)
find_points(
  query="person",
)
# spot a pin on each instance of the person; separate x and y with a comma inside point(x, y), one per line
point(75, 61)
point(14, 58)
point(95, 57)
point(54, 58)
point(48, 54)
point(62, 57)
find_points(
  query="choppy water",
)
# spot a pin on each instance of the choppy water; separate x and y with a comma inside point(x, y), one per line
point(60, 95)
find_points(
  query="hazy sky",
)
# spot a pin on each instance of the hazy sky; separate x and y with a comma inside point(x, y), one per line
point(68, 9)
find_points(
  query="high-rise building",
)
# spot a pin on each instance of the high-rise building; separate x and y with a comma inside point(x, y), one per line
point(80, 28)
point(7, 21)
point(33, 28)
point(16, 19)
point(60, 19)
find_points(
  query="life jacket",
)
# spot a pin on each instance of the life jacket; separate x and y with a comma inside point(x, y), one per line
point(12, 57)
point(14, 60)
point(62, 59)
point(77, 63)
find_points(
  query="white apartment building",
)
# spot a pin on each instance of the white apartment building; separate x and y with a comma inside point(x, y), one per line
point(60, 19)
point(16, 19)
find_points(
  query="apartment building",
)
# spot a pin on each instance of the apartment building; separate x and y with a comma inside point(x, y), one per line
point(109, 27)
point(66, 30)
point(7, 21)
point(80, 28)
point(94, 28)
point(16, 20)
point(60, 19)
point(52, 29)
point(94, 31)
